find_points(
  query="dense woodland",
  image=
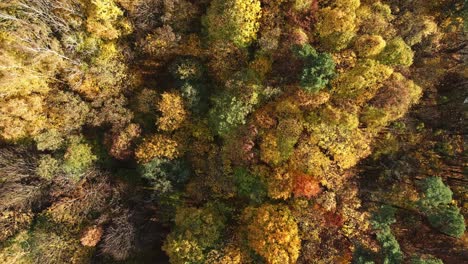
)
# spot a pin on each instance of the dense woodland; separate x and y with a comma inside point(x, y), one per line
point(233, 131)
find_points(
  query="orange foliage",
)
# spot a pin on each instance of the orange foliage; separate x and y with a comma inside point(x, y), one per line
point(92, 236)
point(306, 186)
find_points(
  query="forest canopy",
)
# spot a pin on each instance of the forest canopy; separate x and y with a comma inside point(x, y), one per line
point(233, 131)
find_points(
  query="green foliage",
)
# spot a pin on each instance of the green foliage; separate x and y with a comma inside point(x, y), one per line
point(436, 203)
point(391, 252)
point(249, 186)
point(362, 256)
point(197, 230)
point(426, 260)
point(319, 68)
point(436, 193)
point(230, 108)
point(78, 157)
point(48, 167)
point(164, 174)
point(397, 53)
point(448, 220)
point(384, 217)
point(229, 112)
point(233, 20)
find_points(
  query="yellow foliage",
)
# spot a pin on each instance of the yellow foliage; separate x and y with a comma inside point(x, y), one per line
point(173, 113)
point(362, 82)
point(272, 233)
point(269, 152)
point(105, 19)
point(280, 184)
point(233, 20)
point(261, 65)
point(309, 159)
point(369, 45)
point(157, 146)
point(22, 117)
point(229, 255)
point(336, 27)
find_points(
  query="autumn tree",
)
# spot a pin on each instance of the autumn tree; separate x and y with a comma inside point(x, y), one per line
point(232, 106)
point(157, 146)
point(233, 20)
point(397, 52)
point(337, 24)
point(78, 157)
point(272, 233)
point(197, 231)
point(173, 113)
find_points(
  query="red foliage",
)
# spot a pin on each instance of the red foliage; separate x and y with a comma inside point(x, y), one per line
point(333, 219)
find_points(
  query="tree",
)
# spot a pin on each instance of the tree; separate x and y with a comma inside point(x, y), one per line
point(105, 19)
point(119, 238)
point(249, 186)
point(122, 142)
point(196, 231)
point(230, 254)
point(232, 106)
point(157, 146)
point(369, 45)
point(426, 260)
point(48, 167)
point(391, 252)
point(436, 204)
point(362, 82)
point(186, 69)
point(436, 193)
point(391, 101)
point(78, 157)
point(233, 20)
point(448, 220)
point(173, 113)
point(376, 19)
point(165, 175)
point(337, 25)
point(415, 28)
point(22, 117)
point(272, 233)
point(305, 186)
point(397, 53)
point(319, 68)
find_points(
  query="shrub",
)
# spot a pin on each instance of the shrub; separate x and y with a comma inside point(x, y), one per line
point(48, 167)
